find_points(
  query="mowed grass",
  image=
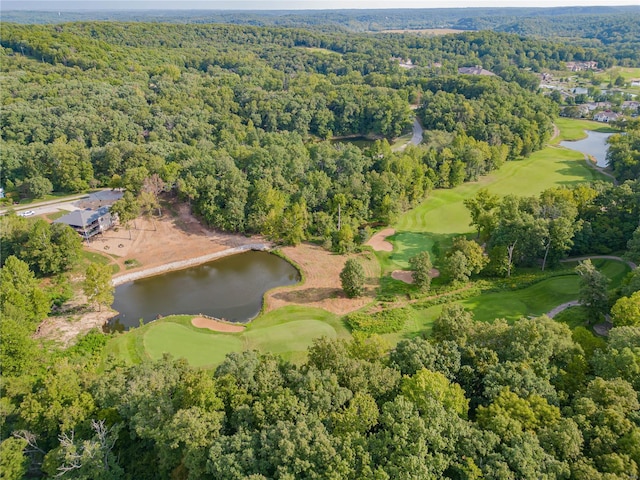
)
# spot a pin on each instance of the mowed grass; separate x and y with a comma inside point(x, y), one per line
point(443, 215)
point(288, 331)
point(198, 348)
point(572, 129)
point(535, 300)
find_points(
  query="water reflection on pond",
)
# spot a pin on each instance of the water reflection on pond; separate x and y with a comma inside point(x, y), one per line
point(594, 145)
point(231, 288)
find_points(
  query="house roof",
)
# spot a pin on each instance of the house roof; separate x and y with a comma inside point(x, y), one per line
point(82, 218)
point(106, 195)
point(477, 70)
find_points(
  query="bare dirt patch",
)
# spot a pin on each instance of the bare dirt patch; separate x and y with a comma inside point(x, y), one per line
point(322, 288)
point(77, 319)
point(215, 325)
point(378, 241)
point(173, 237)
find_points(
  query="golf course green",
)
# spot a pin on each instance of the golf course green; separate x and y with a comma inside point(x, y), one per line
point(289, 331)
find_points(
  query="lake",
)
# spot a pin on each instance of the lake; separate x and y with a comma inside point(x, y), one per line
point(231, 288)
point(594, 145)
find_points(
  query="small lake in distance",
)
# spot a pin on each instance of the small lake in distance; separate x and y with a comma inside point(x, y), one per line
point(230, 288)
point(595, 145)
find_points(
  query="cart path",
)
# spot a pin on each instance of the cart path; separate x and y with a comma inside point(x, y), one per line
point(575, 303)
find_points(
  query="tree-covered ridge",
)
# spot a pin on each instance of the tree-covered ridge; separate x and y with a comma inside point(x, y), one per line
point(609, 29)
point(216, 110)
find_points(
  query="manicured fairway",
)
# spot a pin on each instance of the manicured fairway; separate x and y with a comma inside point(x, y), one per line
point(200, 349)
point(443, 215)
point(574, 129)
point(535, 300)
point(289, 331)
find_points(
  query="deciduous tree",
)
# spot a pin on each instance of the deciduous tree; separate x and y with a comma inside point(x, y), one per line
point(352, 278)
point(97, 285)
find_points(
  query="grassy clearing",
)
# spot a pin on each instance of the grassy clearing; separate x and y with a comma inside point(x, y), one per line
point(572, 129)
point(325, 51)
point(614, 270)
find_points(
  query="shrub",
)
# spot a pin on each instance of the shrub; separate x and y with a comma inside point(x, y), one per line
point(385, 321)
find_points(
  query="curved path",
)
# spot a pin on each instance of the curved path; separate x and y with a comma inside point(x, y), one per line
point(632, 265)
point(575, 303)
point(416, 139)
point(593, 165)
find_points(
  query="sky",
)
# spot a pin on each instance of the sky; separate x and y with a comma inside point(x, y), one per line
point(289, 4)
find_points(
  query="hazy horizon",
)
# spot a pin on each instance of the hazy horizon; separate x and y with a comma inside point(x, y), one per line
point(93, 5)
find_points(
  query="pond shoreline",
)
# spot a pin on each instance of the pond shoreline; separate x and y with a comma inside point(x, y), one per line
point(191, 262)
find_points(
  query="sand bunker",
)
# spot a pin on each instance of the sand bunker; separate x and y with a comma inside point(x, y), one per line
point(402, 275)
point(378, 241)
point(407, 277)
point(216, 326)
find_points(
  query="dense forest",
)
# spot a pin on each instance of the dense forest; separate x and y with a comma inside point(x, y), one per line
point(214, 110)
point(241, 122)
point(609, 29)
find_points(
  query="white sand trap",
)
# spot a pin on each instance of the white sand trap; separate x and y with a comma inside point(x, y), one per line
point(216, 326)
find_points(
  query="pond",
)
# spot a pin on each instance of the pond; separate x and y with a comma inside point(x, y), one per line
point(231, 288)
point(594, 145)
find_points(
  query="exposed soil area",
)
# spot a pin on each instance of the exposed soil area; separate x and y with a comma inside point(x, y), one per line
point(175, 236)
point(321, 288)
point(76, 318)
point(216, 326)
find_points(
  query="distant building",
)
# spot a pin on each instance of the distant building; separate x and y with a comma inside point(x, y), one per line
point(597, 105)
point(1, 192)
point(89, 223)
point(408, 63)
point(607, 116)
point(630, 105)
point(579, 91)
point(580, 66)
point(635, 82)
point(477, 70)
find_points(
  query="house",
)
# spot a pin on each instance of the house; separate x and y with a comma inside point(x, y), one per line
point(580, 66)
point(607, 116)
point(580, 91)
point(89, 223)
point(408, 63)
point(591, 106)
point(635, 82)
point(477, 70)
point(630, 105)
